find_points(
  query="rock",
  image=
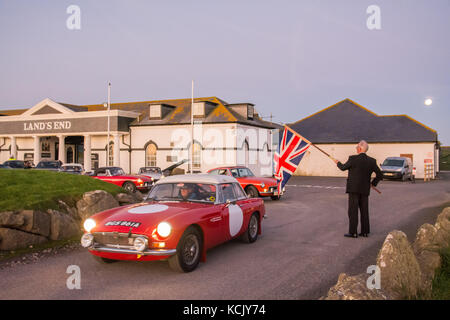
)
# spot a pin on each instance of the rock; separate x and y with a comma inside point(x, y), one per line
point(125, 198)
point(429, 262)
point(71, 211)
point(425, 238)
point(95, 201)
point(139, 196)
point(11, 239)
point(36, 222)
point(354, 288)
point(442, 226)
point(11, 219)
point(63, 226)
point(400, 271)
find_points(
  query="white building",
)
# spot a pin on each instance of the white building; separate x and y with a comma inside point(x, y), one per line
point(149, 133)
point(338, 128)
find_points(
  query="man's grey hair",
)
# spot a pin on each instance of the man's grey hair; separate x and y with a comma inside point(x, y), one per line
point(363, 145)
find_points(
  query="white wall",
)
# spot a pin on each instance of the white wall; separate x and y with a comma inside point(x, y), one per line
point(315, 163)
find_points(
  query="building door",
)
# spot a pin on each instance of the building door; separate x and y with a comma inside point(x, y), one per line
point(70, 153)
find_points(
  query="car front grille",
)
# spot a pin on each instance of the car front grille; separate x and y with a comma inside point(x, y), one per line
point(114, 238)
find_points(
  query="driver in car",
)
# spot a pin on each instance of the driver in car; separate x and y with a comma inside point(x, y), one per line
point(187, 192)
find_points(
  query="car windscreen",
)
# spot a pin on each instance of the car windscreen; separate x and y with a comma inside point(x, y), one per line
point(393, 163)
point(15, 164)
point(241, 172)
point(150, 170)
point(116, 171)
point(194, 192)
point(50, 165)
point(71, 168)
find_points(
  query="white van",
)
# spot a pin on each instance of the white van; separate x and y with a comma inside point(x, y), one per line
point(397, 168)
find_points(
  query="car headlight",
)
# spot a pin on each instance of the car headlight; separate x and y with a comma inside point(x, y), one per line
point(89, 224)
point(87, 240)
point(164, 229)
point(140, 244)
point(262, 185)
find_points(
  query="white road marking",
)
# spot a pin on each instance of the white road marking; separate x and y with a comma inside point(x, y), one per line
point(311, 186)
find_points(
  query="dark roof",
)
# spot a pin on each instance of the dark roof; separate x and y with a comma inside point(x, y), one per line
point(349, 122)
point(181, 113)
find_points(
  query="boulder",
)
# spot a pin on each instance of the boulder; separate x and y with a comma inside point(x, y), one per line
point(93, 202)
point(64, 207)
point(125, 198)
point(429, 262)
point(442, 226)
point(138, 196)
point(425, 238)
point(63, 226)
point(11, 239)
point(400, 270)
point(36, 222)
point(354, 288)
point(11, 219)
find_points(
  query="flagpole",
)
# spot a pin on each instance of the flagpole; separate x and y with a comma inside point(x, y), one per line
point(192, 128)
point(289, 128)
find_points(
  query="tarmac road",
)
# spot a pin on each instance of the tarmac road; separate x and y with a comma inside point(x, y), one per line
point(299, 256)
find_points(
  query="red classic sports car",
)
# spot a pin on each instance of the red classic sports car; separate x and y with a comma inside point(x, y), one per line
point(182, 217)
point(253, 186)
point(117, 176)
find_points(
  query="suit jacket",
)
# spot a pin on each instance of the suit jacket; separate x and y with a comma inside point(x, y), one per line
point(360, 168)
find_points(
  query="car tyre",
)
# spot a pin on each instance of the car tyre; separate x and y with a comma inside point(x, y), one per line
point(252, 192)
point(189, 250)
point(129, 186)
point(251, 234)
point(275, 198)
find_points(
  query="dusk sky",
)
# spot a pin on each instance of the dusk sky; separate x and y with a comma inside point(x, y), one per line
point(291, 58)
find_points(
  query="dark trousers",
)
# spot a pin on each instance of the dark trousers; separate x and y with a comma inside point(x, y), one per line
point(361, 201)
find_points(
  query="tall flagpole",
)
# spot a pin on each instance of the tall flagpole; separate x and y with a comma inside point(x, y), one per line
point(109, 108)
point(192, 128)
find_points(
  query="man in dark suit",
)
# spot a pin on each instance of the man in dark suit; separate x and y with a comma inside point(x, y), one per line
point(360, 169)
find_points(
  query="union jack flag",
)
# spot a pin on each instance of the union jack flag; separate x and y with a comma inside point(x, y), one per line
point(291, 149)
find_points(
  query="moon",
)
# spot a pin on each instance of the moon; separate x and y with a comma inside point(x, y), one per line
point(428, 102)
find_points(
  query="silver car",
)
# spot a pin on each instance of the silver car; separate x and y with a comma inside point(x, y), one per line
point(397, 168)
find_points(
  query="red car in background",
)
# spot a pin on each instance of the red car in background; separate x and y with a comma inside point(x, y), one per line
point(253, 186)
point(117, 176)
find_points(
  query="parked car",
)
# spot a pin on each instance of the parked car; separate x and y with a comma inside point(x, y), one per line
point(51, 165)
point(253, 186)
point(117, 176)
point(2, 166)
point(182, 217)
point(397, 168)
point(14, 164)
point(72, 168)
point(153, 172)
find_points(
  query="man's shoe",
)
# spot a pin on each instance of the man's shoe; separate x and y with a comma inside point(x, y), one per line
point(365, 235)
point(351, 235)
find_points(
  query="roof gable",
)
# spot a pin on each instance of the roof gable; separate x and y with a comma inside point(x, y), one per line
point(47, 106)
point(349, 122)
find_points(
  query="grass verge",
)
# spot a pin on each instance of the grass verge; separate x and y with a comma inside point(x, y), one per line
point(41, 190)
point(441, 281)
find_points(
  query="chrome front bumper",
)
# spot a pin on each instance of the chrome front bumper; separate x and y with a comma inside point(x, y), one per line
point(121, 249)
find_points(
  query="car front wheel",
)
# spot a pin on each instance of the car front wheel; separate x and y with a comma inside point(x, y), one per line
point(129, 186)
point(251, 234)
point(188, 252)
point(252, 192)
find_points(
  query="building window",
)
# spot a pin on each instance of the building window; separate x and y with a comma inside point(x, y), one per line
point(196, 156)
point(150, 155)
point(155, 111)
point(111, 154)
